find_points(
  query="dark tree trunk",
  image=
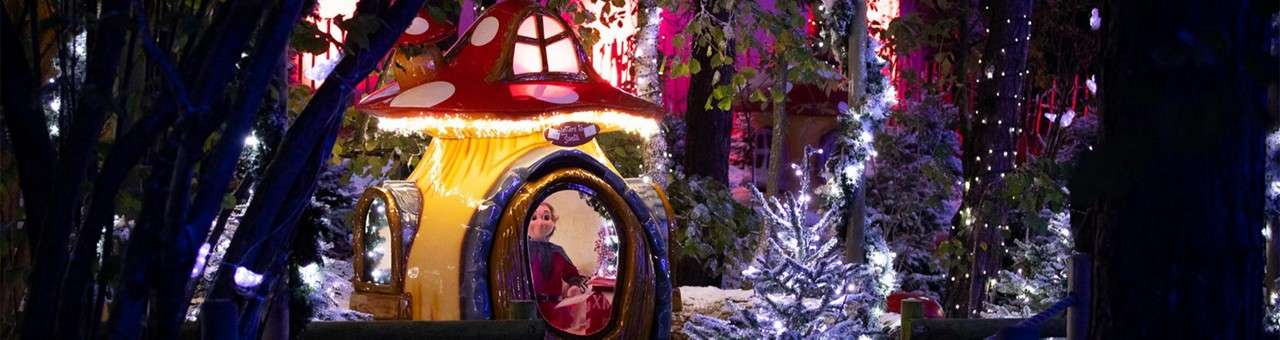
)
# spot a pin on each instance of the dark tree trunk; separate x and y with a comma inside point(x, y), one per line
point(147, 265)
point(261, 241)
point(989, 149)
point(76, 156)
point(778, 139)
point(25, 123)
point(708, 127)
point(855, 205)
point(76, 298)
point(218, 168)
point(1173, 197)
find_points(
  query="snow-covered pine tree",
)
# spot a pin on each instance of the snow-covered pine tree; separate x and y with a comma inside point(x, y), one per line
point(1039, 275)
point(1272, 210)
point(802, 288)
point(915, 190)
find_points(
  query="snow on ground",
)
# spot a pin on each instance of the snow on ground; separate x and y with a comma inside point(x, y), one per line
point(709, 301)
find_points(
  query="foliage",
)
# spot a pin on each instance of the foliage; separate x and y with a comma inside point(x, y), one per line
point(802, 288)
point(945, 28)
point(914, 191)
point(1040, 222)
point(376, 153)
point(580, 17)
point(1039, 277)
point(1272, 211)
point(730, 28)
point(1063, 44)
point(711, 228)
point(626, 151)
point(1273, 176)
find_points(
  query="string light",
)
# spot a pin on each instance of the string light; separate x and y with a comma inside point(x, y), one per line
point(461, 126)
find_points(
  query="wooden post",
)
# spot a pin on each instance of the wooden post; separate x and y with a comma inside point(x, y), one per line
point(912, 309)
point(1079, 285)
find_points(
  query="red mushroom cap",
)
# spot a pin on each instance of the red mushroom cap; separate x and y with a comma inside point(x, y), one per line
point(426, 29)
point(497, 75)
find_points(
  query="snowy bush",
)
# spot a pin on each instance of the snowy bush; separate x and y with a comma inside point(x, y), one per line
point(712, 229)
point(914, 190)
point(1038, 278)
point(801, 286)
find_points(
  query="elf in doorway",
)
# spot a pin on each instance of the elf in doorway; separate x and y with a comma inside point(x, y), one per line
point(554, 275)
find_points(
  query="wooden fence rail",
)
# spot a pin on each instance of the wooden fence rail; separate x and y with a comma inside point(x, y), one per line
point(1074, 326)
point(406, 330)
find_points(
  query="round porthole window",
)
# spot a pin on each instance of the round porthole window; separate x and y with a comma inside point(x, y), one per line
point(573, 249)
point(573, 246)
point(377, 244)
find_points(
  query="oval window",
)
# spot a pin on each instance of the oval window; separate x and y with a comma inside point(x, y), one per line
point(377, 244)
point(573, 249)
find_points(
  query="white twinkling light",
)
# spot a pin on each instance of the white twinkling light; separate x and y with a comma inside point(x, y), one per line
point(1095, 20)
point(252, 140)
point(201, 256)
point(311, 275)
point(246, 278)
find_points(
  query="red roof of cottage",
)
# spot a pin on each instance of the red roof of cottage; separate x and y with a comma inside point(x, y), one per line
point(517, 62)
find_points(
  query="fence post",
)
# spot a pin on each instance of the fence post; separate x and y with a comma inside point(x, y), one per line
point(912, 309)
point(1078, 284)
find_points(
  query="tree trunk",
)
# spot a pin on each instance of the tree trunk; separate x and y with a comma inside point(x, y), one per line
point(76, 156)
point(217, 169)
point(270, 221)
point(708, 127)
point(778, 142)
point(645, 62)
point(856, 68)
point(207, 69)
point(26, 125)
point(1174, 194)
point(991, 149)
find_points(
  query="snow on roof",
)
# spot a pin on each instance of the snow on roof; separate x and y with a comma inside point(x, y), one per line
point(518, 69)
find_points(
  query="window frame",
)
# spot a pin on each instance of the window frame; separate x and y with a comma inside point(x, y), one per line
point(542, 42)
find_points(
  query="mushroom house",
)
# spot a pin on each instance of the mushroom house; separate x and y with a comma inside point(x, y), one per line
point(513, 211)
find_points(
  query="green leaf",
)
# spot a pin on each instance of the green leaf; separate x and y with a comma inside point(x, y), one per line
point(307, 38)
point(359, 29)
point(725, 103)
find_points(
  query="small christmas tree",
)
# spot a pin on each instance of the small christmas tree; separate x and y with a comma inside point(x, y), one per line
point(1040, 277)
point(607, 248)
point(802, 288)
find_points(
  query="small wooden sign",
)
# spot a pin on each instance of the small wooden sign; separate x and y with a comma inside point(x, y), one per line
point(571, 133)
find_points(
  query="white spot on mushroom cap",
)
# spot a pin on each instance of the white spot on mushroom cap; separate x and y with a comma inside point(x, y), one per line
point(419, 26)
point(485, 31)
point(379, 94)
point(425, 95)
